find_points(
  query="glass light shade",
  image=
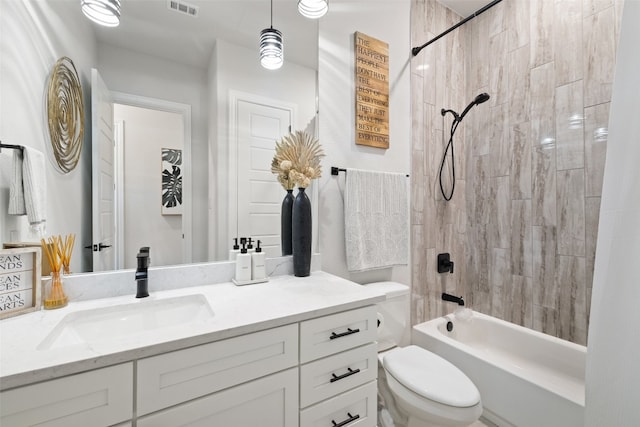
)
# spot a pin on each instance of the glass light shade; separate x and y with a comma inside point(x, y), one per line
point(103, 12)
point(271, 49)
point(313, 9)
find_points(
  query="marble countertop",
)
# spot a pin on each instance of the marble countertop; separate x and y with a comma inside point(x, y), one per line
point(237, 310)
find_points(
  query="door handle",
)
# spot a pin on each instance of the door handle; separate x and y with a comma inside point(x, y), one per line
point(98, 247)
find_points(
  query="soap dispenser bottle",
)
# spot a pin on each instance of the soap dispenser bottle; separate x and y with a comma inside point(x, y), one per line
point(250, 249)
point(243, 265)
point(258, 271)
point(233, 253)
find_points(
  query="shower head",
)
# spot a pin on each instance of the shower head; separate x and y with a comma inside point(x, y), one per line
point(483, 97)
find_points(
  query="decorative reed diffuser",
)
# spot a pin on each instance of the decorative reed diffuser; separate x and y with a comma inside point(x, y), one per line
point(65, 250)
point(59, 255)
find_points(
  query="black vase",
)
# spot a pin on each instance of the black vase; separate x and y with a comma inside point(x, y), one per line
point(285, 224)
point(301, 228)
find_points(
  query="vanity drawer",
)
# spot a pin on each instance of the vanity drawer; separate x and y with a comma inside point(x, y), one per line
point(176, 377)
point(338, 332)
point(97, 398)
point(355, 408)
point(271, 401)
point(327, 377)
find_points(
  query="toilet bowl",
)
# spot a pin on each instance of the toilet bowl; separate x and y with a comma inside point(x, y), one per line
point(419, 388)
point(431, 390)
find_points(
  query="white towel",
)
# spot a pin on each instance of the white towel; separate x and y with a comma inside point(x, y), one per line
point(16, 191)
point(28, 190)
point(376, 219)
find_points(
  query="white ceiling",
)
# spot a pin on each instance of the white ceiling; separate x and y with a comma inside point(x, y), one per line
point(465, 8)
point(150, 26)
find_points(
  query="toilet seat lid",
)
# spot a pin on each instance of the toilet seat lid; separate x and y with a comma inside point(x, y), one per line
point(431, 377)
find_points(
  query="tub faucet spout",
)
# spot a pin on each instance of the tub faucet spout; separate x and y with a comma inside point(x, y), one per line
point(452, 298)
point(142, 277)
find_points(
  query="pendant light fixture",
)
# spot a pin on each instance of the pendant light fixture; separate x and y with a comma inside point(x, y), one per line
point(313, 9)
point(271, 46)
point(103, 12)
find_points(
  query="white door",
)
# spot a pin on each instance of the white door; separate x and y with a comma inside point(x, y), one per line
point(102, 175)
point(259, 195)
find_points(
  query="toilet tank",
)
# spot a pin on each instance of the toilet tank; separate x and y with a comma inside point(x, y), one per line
point(393, 315)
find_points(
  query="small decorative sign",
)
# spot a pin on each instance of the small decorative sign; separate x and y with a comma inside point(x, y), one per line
point(372, 91)
point(19, 281)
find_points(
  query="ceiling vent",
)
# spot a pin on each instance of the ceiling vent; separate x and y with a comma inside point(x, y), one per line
point(183, 7)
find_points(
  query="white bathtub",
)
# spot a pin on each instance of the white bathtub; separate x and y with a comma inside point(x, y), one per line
point(525, 378)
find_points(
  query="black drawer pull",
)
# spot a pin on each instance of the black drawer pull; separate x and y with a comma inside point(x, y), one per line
point(347, 421)
point(345, 375)
point(343, 334)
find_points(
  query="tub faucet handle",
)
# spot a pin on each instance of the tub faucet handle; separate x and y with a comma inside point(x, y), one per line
point(445, 265)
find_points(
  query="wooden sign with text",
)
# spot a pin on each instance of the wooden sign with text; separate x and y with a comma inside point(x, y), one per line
point(19, 281)
point(372, 91)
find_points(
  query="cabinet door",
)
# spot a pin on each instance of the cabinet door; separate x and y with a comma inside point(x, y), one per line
point(97, 398)
point(268, 402)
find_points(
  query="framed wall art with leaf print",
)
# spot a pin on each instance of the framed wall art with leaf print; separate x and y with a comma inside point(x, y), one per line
point(171, 181)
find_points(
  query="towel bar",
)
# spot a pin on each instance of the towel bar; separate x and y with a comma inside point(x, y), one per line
point(11, 146)
point(336, 170)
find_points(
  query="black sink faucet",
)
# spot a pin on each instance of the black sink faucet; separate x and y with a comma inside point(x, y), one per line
point(451, 298)
point(141, 272)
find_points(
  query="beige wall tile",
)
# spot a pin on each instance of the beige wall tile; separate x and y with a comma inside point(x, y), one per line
point(589, 7)
point(592, 216)
point(543, 197)
point(567, 48)
point(519, 84)
point(521, 247)
point(498, 69)
point(499, 278)
point(543, 96)
point(545, 320)
point(500, 144)
point(570, 126)
point(520, 162)
point(518, 306)
point(572, 305)
point(517, 17)
point(541, 32)
point(500, 221)
point(599, 56)
point(571, 217)
point(545, 288)
point(596, 133)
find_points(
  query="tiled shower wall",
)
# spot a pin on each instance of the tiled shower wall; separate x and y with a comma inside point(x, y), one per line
point(437, 81)
point(523, 222)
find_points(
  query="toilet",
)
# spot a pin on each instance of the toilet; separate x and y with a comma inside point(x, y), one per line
point(419, 388)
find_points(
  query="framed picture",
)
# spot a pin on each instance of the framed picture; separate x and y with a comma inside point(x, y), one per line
point(171, 181)
point(20, 281)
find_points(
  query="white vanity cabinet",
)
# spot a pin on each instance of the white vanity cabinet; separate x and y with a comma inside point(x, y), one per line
point(99, 398)
point(319, 372)
point(339, 367)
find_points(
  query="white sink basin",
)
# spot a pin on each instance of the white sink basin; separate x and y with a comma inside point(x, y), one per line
point(127, 320)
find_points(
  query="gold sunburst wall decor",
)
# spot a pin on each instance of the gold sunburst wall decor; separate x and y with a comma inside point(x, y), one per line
point(65, 114)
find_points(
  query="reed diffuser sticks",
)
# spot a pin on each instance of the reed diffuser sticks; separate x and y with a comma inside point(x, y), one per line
point(58, 252)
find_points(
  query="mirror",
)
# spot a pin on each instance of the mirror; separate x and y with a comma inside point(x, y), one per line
point(207, 62)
